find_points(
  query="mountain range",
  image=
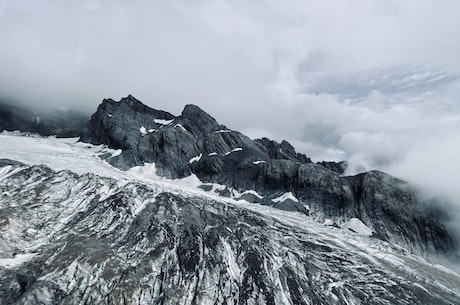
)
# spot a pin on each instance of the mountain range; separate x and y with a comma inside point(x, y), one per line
point(152, 208)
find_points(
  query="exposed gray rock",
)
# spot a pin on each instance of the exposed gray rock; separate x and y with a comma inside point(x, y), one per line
point(83, 239)
point(338, 167)
point(195, 143)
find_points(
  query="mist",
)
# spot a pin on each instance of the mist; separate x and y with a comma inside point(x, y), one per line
point(374, 83)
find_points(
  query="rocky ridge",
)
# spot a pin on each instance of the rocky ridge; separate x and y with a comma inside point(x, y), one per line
point(264, 171)
point(84, 239)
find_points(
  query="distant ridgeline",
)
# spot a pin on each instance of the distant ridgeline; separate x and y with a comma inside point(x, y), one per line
point(60, 123)
point(264, 171)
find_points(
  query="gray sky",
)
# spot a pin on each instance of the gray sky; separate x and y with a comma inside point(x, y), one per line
point(375, 82)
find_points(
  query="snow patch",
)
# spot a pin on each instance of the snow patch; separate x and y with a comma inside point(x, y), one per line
point(258, 162)
point(195, 159)
point(143, 130)
point(181, 127)
point(222, 131)
point(328, 222)
point(357, 226)
point(252, 192)
point(212, 154)
point(151, 130)
point(285, 197)
point(233, 150)
point(190, 182)
point(163, 121)
point(116, 153)
point(17, 260)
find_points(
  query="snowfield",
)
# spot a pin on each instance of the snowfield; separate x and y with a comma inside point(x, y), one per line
point(345, 264)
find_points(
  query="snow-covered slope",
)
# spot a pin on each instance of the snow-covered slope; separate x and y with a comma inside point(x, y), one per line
point(77, 231)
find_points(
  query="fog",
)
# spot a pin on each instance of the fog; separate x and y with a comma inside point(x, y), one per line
point(376, 83)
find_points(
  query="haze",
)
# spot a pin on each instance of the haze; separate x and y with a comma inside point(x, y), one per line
point(372, 82)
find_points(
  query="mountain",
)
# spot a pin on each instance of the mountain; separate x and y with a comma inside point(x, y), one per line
point(125, 222)
point(61, 123)
point(264, 171)
point(74, 237)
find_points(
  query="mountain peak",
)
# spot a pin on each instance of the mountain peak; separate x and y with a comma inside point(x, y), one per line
point(197, 120)
point(195, 143)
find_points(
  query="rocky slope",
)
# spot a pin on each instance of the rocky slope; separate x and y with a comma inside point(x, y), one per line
point(70, 238)
point(264, 171)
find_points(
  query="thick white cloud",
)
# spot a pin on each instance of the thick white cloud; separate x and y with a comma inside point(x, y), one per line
point(374, 81)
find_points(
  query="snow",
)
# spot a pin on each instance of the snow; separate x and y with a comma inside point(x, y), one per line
point(151, 130)
point(58, 154)
point(252, 192)
point(68, 154)
point(143, 130)
point(232, 267)
point(328, 222)
point(357, 226)
point(17, 260)
point(195, 159)
point(212, 154)
point(181, 127)
point(222, 131)
point(116, 153)
point(258, 162)
point(145, 172)
point(163, 121)
point(285, 197)
point(233, 150)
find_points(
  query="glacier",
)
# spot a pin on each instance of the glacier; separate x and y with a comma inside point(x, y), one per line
point(75, 230)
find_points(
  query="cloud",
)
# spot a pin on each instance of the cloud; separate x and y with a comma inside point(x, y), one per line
point(375, 82)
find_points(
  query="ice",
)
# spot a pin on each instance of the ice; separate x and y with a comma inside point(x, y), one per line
point(232, 267)
point(17, 260)
point(58, 154)
point(195, 159)
point(163, 121)
point(357, 226)
point(285, 197)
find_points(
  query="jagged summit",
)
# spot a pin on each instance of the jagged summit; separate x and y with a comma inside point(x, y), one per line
point(263, 171)
point(148, 135)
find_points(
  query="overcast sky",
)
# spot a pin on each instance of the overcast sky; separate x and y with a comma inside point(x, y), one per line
point(374, 82)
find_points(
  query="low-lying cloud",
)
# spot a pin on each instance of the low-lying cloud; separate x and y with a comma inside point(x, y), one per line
point(375, 83)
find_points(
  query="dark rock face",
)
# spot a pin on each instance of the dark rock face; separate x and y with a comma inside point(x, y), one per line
point(59, 123)
point(83, 239)
point(338, 167)
point(195, 143)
